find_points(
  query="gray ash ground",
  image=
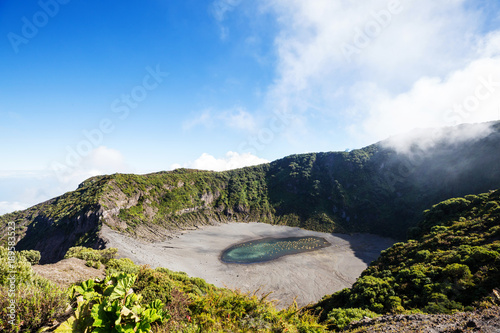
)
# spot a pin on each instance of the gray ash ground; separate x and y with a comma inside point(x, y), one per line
point(481, 320)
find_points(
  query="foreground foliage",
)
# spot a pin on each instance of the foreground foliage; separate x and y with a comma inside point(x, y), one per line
point(137, 299)
point(27, 301)
point(111, 306)
point(164, 301)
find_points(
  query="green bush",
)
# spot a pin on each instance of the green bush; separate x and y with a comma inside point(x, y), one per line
point(153, 285)
point(37, 304)
point(111, 306)
point(459, 274)
point(93, 264)
point(37, 300)
point(122, 265)
point(189, 285)
point(13, 261)
point(373, 293)
point(89, 254)
point(339, 319)
point(221, 310)
point(32, 256)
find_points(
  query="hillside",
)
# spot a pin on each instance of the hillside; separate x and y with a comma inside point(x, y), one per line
point(451, 264)
point(377, 189)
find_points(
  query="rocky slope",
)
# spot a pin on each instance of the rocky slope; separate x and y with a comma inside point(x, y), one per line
point(382, 189)
point(481, 320)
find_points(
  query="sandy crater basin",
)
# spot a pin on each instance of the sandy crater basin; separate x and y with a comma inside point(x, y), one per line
point(305, 277)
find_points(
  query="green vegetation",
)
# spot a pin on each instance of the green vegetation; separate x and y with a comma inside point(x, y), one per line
point(374, 189)
point(37, 301)
point(112, 306)
point(452, 264)
point(177, 197)
point(148, 300)
point(338, 319)
point(94, 258)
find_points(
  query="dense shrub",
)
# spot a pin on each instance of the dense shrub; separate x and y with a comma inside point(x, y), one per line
point(153, 285)
point(122, 265)
point(339, 319)
point(188, 285)
point(228, 311)
point(36, 300)
point(13, 261)
point(32, 256)
point(37, 304)
point(453, 266)
point(91, 255)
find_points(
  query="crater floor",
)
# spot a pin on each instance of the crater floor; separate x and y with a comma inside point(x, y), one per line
point(306, 277)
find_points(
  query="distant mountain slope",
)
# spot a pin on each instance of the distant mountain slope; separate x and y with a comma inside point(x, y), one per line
point(380, 189)
point(453, 263)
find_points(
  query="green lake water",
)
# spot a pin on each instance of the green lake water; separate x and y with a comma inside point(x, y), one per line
point(266, 249)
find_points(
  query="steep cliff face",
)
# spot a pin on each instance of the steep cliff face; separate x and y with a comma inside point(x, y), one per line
point(52, 227)
point(381, 189)
point(53, 239)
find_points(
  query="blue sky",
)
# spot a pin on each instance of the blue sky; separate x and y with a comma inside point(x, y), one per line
point(93, 87)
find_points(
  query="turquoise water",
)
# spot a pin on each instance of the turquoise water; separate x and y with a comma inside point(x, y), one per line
point(266, 249)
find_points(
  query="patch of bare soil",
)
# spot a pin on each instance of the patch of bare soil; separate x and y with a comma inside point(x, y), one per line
point(68, 271)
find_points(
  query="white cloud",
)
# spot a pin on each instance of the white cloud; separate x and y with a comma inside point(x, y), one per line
point(203, 119)
point(219, 10)
point(232, 160)
point(101, 160)
point(221, 7)
point(104, 160)
point(419, 37)
point(411, 63)
point(22, 189)
point(489, 46)
point(469, 95)
point(9, 207)
point(13, 174)
point(236, 118)
point(419, 140)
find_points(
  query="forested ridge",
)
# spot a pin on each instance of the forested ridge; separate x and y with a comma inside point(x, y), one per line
point(377, 189)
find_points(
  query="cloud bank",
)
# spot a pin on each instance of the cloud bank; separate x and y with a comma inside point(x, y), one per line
point(8, 207)
point(383, 67)
point(23, 189)
point(232, 160)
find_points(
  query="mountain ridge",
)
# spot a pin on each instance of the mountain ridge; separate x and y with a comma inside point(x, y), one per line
point(375, 189)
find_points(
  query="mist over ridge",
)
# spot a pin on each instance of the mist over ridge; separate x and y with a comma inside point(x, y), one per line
point(377, 189)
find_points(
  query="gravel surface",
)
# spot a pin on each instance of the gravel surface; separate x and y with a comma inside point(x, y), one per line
point(306, 277)
point(482, 320)
point(68, 271)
